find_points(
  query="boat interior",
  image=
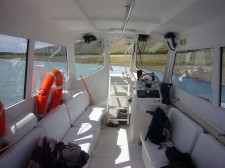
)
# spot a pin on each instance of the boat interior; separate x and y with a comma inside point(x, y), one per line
point(93, 73)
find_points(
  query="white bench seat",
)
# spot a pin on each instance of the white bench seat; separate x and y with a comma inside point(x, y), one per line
point(81, 125)
point(208, 152)
point(184, 136)
point(19, 154)
point(82, 136)
point(151, 155)
point(81, 114)
point(56, 123)
point(89, 118)
point(57, 126)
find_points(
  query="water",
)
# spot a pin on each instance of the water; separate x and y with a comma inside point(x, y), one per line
point(12, 79)
point(12, 76)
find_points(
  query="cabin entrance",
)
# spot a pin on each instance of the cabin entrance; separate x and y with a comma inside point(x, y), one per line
point(121, 50)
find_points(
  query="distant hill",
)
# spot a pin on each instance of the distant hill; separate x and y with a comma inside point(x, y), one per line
point(118, 45)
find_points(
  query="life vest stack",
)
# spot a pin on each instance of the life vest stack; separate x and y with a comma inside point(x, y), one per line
point(2, 124)
point(54, 76)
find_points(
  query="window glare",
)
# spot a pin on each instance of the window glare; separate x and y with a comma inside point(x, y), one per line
point(153, 59)
point(222, 103)
point(47, 57)
point(121, 48)
point(13, 57)
point(88, 57)
point(193, 72)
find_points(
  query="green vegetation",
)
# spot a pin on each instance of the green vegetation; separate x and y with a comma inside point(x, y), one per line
point(152, 60)
point(9, 55)
point(92, 59)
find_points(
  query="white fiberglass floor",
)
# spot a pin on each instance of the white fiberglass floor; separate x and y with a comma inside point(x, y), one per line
point(115, 150)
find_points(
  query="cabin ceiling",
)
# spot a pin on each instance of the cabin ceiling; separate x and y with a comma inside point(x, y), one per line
point(109, 16)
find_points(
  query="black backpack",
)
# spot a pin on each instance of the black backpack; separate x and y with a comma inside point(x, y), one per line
point(44, 154)
point(71, 156)
point(178, 159)
point(160, 128)
point(50, 154)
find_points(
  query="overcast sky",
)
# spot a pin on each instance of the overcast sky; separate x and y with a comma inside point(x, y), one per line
point(17, 45)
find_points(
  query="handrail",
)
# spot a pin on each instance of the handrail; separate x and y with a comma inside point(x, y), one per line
point(128, 14)
point(125, 54)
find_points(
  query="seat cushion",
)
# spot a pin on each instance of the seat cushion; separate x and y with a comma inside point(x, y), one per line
point(77, 104)
point(152, 156)
point(56, 123)
point(185, 132)
point(184, 135)
point(98, 107)
point(89, 118)
point(208, 152)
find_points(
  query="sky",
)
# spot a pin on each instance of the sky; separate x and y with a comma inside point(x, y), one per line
point(17, 45)
point(12, 44)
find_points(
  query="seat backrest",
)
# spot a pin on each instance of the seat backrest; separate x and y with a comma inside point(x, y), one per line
point(19, 154)
point(56, 123)
point(208, 152)
point(77, 104)
point(185, 132)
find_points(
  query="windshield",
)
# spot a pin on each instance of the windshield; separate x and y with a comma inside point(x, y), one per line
point(152, 57)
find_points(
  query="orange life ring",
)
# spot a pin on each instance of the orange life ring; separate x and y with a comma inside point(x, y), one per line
point(2, 124)
point(54, 76)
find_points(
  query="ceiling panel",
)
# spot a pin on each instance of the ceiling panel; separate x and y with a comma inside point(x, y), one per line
point(147, 15)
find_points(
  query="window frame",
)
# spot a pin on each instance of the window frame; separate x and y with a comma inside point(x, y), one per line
point(24, 96)
point(155, 71)
point(66, 61)
point(221, 75)
point(91, 72)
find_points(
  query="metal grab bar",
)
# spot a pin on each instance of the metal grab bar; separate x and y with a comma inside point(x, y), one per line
point(128, 14)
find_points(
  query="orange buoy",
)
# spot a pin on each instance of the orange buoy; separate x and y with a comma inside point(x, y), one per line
point(54, 76)
point(2, 124)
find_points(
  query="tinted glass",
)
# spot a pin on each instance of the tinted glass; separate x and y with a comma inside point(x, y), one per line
point(88, 57)
point(152, 57)
point(193, 72)
point(47, 57)
point(13, 57)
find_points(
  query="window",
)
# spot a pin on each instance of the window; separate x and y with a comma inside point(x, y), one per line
point(13, 57)
point(193, 72)
point(152, 57)
point(121, 48)
point(222, 103)
point(47, 57)
point(88, 57)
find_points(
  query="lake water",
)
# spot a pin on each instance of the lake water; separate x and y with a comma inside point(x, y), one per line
point(12, 76)
point(12, 79)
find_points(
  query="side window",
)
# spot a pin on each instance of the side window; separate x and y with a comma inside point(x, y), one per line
point(222, 100)
point(47, 57)
point(13, 57)
point(193, 71)
point(153, 58)
point(88, 57)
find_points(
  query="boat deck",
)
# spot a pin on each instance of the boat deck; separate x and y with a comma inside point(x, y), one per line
point(115, 150)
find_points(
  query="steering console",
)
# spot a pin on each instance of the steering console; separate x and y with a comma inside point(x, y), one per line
point(149, 81)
